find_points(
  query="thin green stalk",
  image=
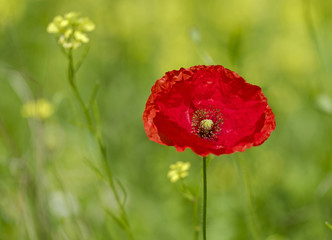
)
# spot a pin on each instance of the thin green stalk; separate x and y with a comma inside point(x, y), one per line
point(193, 198)
point(40, 192)
point(85, 53)
point(312, 31)
point(102, 148)
point(250, 209)
point(71, 78)
point(8, 139)
point(204, 197)
point(74, 217)
point(113, 187)
point(195, 216)
point(27, 220)
point(328, 225)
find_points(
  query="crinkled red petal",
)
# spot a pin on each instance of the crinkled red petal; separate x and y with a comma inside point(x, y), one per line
point(247, 118)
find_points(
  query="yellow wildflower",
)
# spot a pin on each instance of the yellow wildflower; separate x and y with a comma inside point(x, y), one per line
point(178, 170)
point(39, 109)
point(70, 29)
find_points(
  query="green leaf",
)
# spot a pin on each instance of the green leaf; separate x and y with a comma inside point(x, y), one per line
point(328, 225)
point(118, 220)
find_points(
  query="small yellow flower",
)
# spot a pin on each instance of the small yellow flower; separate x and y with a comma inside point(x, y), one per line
point(178, 170)
point(39, 109)
point(70, 29)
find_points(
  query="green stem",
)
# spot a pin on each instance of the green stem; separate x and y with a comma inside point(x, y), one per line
point(195, 216)
point(204, 197)
point(248, 200)
point(328, 225)
point(309, 22)
point(71, 78)
point(193, 198)
point(102, 148)
point(113, 187)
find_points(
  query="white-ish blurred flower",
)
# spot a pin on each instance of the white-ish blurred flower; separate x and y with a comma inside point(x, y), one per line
point(70, 29)
point(178, 170)
point(324, 103)
point(63, 205)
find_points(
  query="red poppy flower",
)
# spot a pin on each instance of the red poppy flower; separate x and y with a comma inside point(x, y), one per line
point(209, 109)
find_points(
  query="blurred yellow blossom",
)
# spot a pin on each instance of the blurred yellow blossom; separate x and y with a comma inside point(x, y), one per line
point(70, 29)
point(39, 109)
point(178, 170)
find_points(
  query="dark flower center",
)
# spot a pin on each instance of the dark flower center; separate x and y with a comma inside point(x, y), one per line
point(206, 123)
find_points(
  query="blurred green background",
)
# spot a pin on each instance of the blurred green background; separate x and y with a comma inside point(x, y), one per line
point(49, 185)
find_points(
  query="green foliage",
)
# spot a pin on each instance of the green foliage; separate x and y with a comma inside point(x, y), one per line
point(52, 183)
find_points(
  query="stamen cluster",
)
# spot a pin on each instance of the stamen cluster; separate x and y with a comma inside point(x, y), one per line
point(206, 123)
